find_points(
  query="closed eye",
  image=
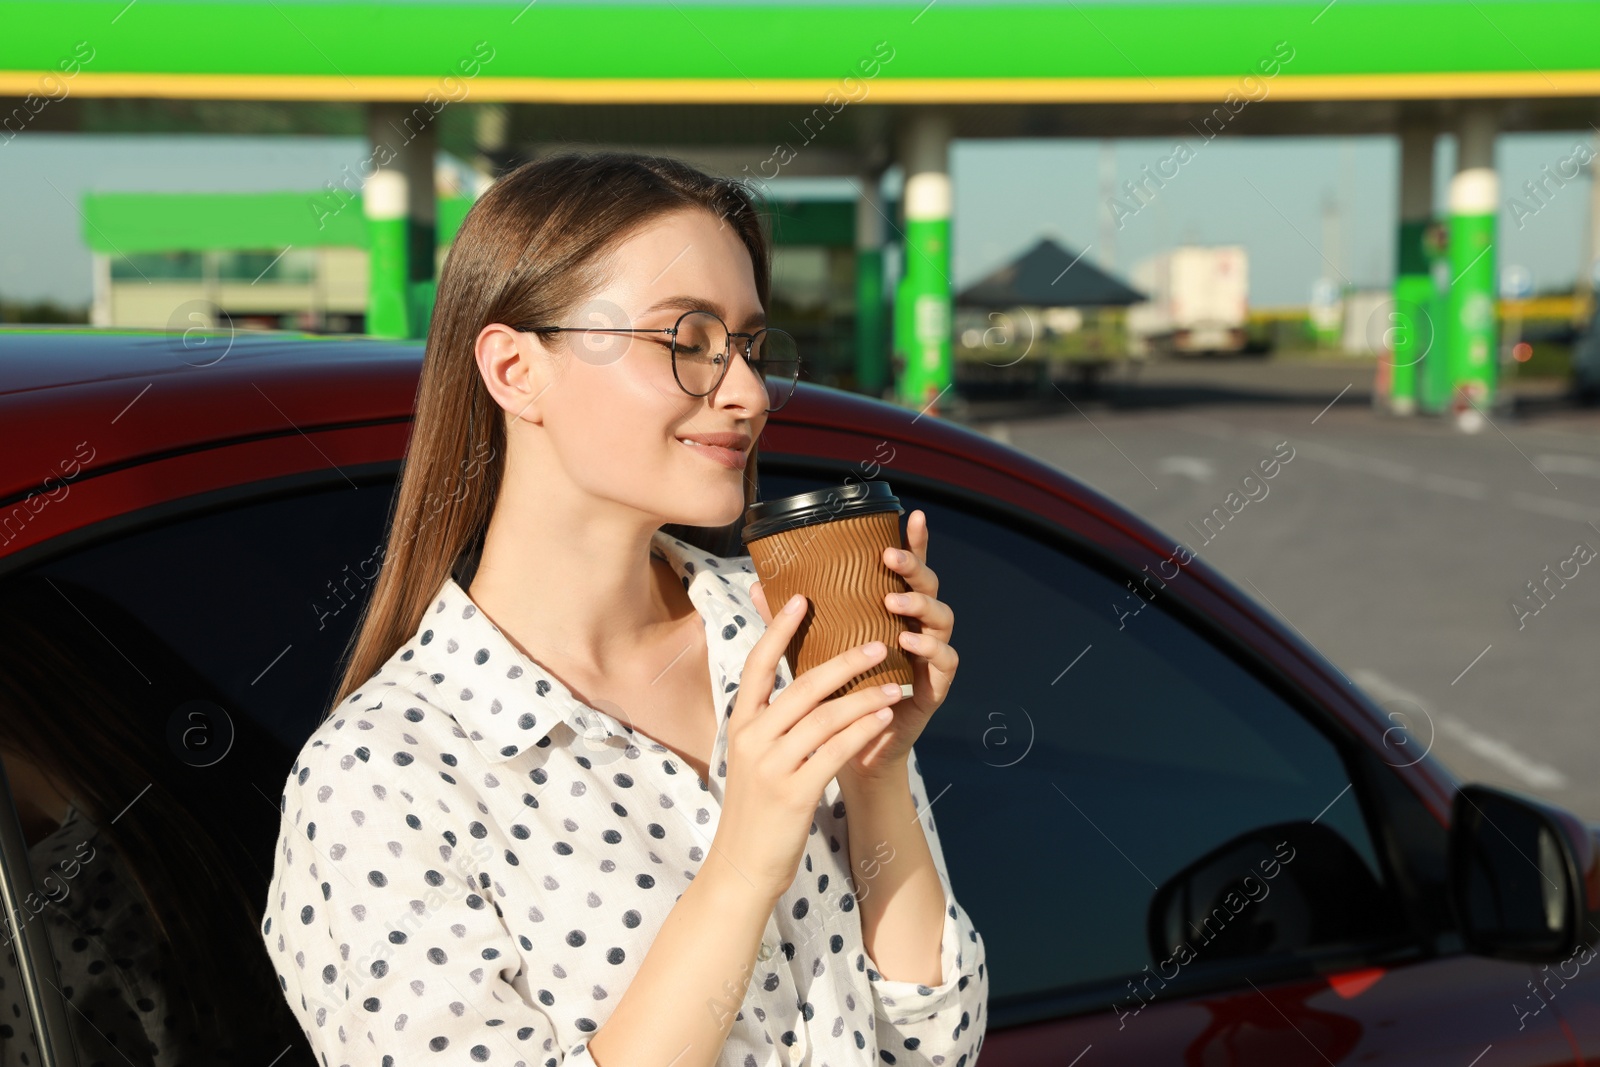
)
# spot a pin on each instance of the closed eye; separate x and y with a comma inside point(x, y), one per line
point(693, 351)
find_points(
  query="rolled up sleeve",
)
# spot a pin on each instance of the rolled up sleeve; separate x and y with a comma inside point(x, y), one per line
point(942, 1025)
point(387, 939)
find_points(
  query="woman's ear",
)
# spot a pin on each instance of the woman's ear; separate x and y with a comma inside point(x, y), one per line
point(516, 368)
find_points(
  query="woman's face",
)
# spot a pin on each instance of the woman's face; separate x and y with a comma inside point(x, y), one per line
point(613, 414)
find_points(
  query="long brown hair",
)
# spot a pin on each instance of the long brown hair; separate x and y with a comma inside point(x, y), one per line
point(528, 251)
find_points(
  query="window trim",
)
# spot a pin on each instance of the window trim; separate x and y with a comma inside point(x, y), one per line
point(32, 943)
point(1420, 941)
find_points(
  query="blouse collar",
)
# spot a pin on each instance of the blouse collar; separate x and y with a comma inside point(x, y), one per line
point(506, 702)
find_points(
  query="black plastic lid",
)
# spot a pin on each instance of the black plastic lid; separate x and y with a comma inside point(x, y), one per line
point(820, 505)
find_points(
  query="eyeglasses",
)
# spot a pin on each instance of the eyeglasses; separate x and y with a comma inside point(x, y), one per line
point(702, 347)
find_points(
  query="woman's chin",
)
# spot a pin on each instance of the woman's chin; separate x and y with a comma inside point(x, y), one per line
point(713, 513)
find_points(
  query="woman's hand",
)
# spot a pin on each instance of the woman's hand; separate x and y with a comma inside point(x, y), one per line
point(785, 746)
point(933, 659)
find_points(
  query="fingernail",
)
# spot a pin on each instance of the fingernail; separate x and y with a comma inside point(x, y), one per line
point(874, 648)
point(793, 605)
point(897, 600)
point(891, 690)
point(885, 714)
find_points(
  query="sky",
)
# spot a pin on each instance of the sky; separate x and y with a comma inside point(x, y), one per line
point(1266, 194)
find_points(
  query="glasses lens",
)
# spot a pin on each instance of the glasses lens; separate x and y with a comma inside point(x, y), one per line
point(698, 350)
point(775, 356)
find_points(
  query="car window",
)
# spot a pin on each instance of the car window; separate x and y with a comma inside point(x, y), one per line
point(1116, 796)
point(260, 598)
point(154, 688)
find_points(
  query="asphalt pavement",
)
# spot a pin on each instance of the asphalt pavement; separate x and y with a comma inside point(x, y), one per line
point(1451, 575)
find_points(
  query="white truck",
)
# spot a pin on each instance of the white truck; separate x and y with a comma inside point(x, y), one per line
point(1199, 298)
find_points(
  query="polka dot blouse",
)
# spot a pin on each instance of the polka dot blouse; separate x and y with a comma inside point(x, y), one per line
point(472, 864)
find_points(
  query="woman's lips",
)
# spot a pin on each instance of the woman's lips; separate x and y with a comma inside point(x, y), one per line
point(732, 458)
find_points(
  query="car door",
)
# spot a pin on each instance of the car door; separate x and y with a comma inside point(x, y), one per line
point(1173, 857)
point(161, 672)
point(164, 670)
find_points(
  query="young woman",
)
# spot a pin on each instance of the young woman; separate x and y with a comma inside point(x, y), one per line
point(569, 806)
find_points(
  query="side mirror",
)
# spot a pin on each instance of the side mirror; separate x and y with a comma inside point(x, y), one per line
point(1524, 877)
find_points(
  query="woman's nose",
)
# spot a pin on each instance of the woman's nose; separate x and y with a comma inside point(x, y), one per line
point(741, 378)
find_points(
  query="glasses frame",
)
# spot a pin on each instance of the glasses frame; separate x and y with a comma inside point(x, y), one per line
point(672, 332)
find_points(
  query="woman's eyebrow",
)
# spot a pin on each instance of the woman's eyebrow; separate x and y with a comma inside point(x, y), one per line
point(698, 303)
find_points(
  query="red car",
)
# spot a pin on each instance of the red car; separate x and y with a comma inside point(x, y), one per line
point(1184, 836)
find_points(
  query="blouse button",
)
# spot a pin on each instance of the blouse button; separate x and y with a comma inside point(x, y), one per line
point(765, 952)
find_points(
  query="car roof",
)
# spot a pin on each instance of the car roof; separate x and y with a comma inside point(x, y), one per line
point(135, 394)
point(51, 357)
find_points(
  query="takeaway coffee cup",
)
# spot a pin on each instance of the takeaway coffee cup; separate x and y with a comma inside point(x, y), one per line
point(828, 545)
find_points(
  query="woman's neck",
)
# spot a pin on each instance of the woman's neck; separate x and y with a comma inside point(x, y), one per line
point(591, 598)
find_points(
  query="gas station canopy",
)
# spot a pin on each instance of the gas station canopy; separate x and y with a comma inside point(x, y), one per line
point(619, 68)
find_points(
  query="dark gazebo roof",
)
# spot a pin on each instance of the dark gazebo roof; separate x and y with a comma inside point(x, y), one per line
point(1047, 276)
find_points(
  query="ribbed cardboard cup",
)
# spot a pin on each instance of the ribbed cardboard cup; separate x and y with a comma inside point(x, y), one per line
point(828, 545)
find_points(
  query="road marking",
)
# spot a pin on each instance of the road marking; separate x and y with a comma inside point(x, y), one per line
point(1466, 488)
point(1530, 771)
point(1525, 769)
point(1560, 509)
point(1401, 473)
point(1462, 487)
point(1557, 463)
point(1201, 470)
